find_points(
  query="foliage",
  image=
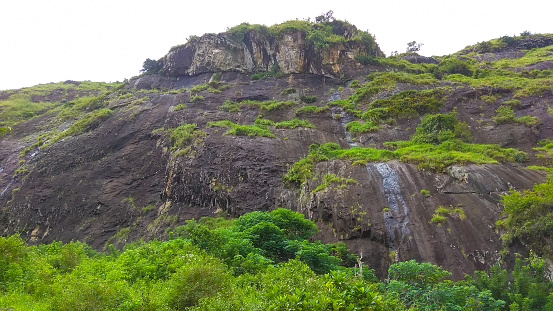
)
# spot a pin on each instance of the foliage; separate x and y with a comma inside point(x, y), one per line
point(403, 104)
point(184, 135)
point(87, 123)
point(323, 33)
point(366, 59)
point(505, 114)
point(5, 130)
point(274, 71)
point(180, 106)
point(413, 47)
point(242, 130)
point(435, 128)
point(422, 286)
point(356, 127)
point(529, 217)
point(151, 66)
point(308, 99)
point(311, 109)
point(77, 97)
point(526, 287)
point(232, 106)
point(288, 90)
point(293, 123)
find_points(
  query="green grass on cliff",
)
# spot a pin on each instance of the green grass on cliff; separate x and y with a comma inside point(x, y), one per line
point(322, 33)
point(243, 130)
point(437, 143)
point(26, 103)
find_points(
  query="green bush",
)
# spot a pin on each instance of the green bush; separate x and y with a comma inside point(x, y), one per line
point(366, 60)
point(308, 99)
point(242, 130)
point(184, 135)
point(435, 128)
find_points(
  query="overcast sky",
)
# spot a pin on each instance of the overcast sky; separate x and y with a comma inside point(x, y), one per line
point(44, 41)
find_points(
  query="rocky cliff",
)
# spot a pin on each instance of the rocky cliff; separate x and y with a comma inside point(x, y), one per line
point(201, 138)
point(293, 50)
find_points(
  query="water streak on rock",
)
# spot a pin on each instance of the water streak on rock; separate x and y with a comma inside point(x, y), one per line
point(396, 217)
point(344, 118)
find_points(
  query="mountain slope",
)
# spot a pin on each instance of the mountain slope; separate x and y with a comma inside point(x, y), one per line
point(215, 125)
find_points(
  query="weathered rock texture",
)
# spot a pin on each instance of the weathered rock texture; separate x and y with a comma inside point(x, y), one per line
point(291, 51)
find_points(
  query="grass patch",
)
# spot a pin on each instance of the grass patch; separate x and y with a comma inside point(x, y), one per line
point(356, 127)
point(232, 106)
point(180, 106)
point(335, 182)
point(183, 137)
point(242, 130)
point(505, 114)
point(311, 109)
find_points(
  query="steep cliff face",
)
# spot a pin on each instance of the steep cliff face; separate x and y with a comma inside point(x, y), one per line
point(127, 178)
point(291, 50)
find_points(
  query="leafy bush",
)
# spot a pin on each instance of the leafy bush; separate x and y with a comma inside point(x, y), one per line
point(366, 60)
point(308, 99)
point(288, 90)
point(151, 66)
point(293, 123)
point(530, 217)
point(180, 106)
point(274, 71)
point(433, 127)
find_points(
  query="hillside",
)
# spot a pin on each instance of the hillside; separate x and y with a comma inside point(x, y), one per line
point(401, 157)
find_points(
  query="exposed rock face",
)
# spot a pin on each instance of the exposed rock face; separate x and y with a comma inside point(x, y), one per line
point(292, 52)
point(418, 59)
point(121, 181)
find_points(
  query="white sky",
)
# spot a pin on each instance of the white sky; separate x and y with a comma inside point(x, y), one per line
point(44, 41)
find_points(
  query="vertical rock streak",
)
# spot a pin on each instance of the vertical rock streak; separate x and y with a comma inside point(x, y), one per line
point(397, 217)
point(344, 119)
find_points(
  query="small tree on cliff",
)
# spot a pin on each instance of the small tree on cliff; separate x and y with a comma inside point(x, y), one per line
point(413, 47)
point(323, 18)
point(4, 130)
point(151, 66)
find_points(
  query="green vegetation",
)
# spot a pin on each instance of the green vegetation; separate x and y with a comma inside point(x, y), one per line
point(232, 106)
point(308, 99)
point(274, 71)
point(334, 181)
point(26, 103)
point(436, 144)
point(288, 90)
point(356, 127)
point(311, 109)
point(87, 123)
point(529, 217)
point(260, 261)
point(323, 33)
point(293, 123)
point(505, 114)
point(5, 130)
point(526, 287)
point(243, 130)
point(152, 66)
point(425, 192)
point(196, 98)
point(439, 216)
point(180, 106)
point(183, 137)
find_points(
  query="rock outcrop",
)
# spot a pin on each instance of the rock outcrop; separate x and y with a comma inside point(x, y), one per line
point(291, 51)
